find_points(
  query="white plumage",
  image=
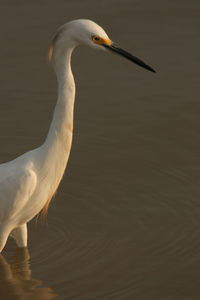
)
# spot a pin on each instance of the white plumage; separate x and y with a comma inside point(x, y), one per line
point(28, 183)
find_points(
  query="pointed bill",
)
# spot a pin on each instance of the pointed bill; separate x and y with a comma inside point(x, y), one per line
point(129, 56)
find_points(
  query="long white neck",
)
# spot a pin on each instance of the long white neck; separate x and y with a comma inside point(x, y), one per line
point(62, 124)
point(59, 139)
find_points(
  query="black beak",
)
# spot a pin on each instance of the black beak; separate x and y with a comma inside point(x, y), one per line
point(128, 56)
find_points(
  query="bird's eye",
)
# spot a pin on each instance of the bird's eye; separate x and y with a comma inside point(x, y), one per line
point(95, 38)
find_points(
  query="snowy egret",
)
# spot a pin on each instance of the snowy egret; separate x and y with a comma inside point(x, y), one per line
point(28, 183)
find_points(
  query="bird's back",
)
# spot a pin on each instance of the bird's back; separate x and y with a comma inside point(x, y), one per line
point(17, 183)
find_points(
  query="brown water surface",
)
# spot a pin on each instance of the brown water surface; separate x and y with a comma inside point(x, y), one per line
point(125, 223)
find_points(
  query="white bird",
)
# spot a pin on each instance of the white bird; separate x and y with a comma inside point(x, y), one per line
point(28, 182)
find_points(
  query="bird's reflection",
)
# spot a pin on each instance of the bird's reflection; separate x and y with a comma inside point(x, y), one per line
point(16, 281)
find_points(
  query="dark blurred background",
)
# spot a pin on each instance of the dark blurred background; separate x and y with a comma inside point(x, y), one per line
point(125, 220)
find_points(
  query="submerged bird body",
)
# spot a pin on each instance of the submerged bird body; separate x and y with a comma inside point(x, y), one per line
point(28, 182)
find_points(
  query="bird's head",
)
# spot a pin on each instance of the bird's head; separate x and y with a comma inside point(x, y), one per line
point(86, 32)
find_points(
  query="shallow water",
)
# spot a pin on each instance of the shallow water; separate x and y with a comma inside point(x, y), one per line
point(125, 222)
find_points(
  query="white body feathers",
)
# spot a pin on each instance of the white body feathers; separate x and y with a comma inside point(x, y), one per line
point(28, 183)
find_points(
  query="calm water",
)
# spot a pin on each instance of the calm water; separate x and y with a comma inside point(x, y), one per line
point(125, 223)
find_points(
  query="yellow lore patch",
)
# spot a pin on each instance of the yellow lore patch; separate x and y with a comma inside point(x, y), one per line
point(100, 41)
